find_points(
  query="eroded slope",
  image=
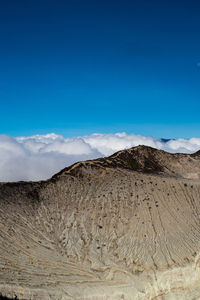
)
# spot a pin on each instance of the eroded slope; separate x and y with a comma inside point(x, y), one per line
point(123, 227)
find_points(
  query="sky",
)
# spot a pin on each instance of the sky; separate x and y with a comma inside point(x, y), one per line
point(79, 67)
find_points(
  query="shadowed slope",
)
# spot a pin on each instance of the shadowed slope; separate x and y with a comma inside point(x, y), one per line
point(122, 227)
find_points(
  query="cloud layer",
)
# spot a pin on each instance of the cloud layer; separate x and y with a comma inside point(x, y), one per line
point(39, 157)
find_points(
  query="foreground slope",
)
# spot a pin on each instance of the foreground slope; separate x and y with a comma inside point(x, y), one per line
point(122, 227)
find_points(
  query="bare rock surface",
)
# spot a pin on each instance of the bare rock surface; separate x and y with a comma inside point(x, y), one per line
point(122, 227)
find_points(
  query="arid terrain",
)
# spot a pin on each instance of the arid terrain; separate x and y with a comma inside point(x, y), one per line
point(122, 227)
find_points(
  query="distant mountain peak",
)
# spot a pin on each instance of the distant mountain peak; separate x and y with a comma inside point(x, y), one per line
point(143, 159)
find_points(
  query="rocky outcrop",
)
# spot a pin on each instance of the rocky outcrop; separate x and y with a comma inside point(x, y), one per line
point(122, 227)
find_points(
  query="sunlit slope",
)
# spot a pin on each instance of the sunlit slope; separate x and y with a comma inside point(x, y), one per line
point(123, 227)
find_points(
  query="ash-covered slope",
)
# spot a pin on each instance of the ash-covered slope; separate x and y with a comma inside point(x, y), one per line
point(122, 227)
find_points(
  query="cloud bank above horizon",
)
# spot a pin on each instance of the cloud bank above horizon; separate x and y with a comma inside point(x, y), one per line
point(39, 157)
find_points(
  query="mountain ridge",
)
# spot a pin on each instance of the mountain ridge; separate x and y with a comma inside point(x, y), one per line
point(140, 158)
point(123, 227)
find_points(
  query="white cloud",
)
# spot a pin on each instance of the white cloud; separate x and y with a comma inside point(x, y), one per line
point(40, 156)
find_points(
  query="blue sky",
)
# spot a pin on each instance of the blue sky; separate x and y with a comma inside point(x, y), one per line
point(78, 67)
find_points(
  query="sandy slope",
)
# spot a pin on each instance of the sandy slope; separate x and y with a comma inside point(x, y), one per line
point(123, 227)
